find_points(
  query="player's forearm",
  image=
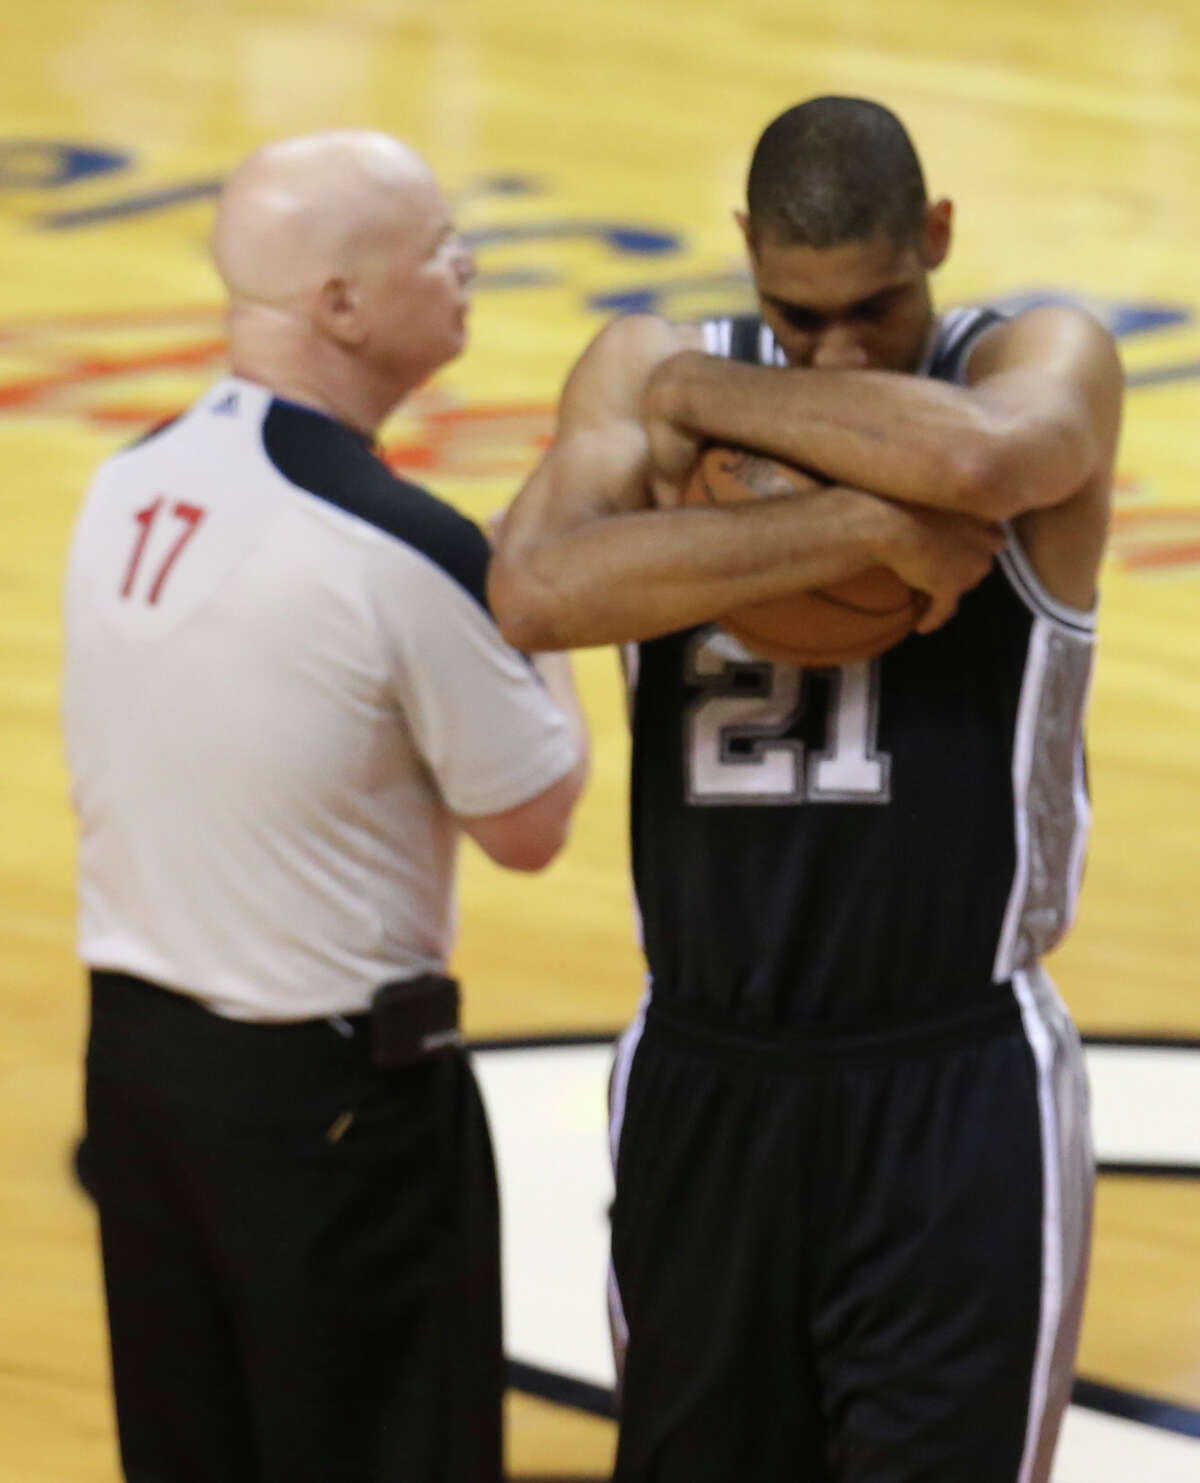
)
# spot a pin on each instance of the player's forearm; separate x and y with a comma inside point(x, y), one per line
point(634, 576)
point(906, 437)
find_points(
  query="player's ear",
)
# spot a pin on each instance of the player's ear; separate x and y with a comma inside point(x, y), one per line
point(743, 220)
point(338, 310)
point(937, 232)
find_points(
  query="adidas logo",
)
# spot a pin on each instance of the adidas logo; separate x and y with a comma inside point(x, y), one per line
point(227, 406)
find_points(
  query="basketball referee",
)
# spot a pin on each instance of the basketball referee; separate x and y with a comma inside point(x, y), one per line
point(853, 1168)
point(285, 698)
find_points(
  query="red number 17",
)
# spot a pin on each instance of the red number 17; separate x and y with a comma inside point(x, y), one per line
point(191, 515)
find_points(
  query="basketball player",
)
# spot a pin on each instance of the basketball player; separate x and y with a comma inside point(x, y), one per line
point(853, 1168)
point(285, 699)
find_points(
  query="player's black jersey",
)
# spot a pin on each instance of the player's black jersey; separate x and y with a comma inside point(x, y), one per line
point(871, 844)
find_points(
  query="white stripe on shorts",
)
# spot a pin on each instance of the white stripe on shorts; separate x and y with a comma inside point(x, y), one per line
point(1067, 1172)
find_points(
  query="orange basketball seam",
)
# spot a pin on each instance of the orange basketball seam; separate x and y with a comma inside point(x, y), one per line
point(854, 607)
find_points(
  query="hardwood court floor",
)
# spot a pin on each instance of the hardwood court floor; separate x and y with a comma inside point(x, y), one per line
point(597, 150)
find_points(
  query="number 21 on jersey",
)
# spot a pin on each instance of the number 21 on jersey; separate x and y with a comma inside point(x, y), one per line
point(738, 746)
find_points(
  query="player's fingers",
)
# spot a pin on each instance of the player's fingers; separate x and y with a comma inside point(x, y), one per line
point(940, 609)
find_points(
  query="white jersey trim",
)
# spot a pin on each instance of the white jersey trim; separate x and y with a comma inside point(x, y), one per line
point(1083, 821)
point(1033, 924)
point(1025, 582)
point(1022, 771)
point(718, 337)
point(955, 330)
point(631, 665)
point(770, 352)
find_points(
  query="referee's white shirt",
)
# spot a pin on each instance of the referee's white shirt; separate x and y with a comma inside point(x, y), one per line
point(282, 682)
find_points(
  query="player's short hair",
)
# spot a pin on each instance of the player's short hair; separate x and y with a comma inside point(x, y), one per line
point(832, 171)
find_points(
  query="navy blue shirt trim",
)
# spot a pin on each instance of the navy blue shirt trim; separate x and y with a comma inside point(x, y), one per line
point(335, 463)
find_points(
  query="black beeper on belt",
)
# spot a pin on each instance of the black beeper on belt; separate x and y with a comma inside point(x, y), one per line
point(414, 1019)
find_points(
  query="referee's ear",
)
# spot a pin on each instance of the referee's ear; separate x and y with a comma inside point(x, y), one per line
point(338, 311)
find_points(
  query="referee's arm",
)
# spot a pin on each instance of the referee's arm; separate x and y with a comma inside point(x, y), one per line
point(506, 740)
point(529, 836)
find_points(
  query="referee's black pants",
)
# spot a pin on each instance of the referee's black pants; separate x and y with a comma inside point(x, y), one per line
point(301, 1252)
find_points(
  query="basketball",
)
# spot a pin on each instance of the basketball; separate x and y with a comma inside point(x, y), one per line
point(854, 619)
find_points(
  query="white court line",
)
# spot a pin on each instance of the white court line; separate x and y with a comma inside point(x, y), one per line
point(1105, 1449)
point(1145, 1104)
point(549, 1124)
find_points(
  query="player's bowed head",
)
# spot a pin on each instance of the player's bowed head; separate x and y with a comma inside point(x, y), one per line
point(347, 282)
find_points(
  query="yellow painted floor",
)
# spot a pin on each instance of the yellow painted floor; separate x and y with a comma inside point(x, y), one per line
point(597, 150)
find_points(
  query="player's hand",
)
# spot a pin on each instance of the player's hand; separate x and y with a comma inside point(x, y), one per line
point(943, 554)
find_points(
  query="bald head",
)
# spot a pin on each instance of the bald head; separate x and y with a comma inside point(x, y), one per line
point(348, 283)
point(303, 211)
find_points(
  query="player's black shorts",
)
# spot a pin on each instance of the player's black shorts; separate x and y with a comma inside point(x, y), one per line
point(854, 1260)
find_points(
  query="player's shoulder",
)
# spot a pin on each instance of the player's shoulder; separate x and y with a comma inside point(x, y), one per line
point(1058, 335)
point(638, 331)
point(338, 466)
point(611, 374)
point(639, 340)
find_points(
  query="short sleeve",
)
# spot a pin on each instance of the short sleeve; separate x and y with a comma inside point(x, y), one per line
point(477, 711)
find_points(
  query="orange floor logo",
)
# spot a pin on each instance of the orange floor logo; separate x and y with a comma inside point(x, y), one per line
point(138, 370)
